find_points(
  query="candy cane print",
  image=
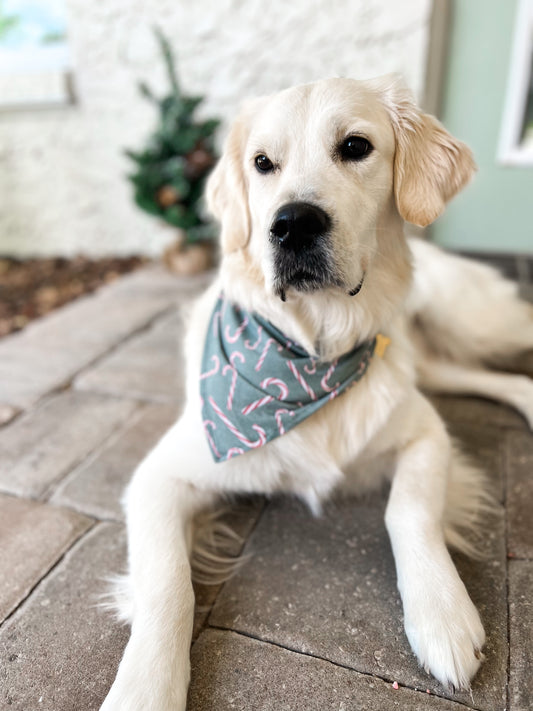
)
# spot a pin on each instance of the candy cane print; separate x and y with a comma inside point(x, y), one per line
point(283, 387)
point(278, 415)
point(299, 377)
point(231, 427)
point(239, 356)
point(264, 354)
point(209, 437)
point(311, 370)
point(257, 403)
point(213, 370)
point(364, 363)
point(233, 452)
point(327, 376)
point(255, 345)
point(238, 332)
point(284, 392)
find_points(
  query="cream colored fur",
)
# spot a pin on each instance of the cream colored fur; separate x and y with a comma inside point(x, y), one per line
point(444, 323)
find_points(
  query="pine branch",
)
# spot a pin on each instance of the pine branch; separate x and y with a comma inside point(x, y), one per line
point(168, 57)
point(146, 91)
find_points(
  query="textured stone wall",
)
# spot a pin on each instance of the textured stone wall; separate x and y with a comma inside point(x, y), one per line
point(62, 185)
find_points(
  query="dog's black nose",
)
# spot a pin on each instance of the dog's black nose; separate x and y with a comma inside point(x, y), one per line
point(298, 225)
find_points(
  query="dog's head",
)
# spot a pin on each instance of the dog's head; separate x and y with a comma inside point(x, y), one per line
point(313, 178)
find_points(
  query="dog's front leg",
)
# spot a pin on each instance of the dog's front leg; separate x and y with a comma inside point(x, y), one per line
point(154, 672)
point(441, 622)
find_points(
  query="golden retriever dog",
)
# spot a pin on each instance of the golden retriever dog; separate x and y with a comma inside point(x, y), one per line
point(304, 362)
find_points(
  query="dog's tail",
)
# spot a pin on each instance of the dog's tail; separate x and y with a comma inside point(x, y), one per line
point(471, 505)
point(217, 548)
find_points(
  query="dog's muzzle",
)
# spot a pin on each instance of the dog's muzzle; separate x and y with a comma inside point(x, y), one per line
point(300, 235)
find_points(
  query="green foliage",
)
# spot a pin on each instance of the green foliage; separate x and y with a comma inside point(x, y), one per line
point(7, 22)
point(171, 169)
point(53, 37)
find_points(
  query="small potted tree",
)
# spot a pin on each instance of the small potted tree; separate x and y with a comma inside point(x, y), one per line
point(171, 170)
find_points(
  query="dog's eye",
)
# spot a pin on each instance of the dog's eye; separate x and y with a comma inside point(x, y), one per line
point(355, 148)
point(263, 163)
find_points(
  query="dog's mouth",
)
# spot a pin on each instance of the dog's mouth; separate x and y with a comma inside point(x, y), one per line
point(321, 275)
point(305, 280)
point(304, 273)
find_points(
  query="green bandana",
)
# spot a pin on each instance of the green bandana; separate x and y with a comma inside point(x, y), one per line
point(256, 384)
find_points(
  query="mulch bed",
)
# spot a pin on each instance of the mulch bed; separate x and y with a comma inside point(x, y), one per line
point(31, 288)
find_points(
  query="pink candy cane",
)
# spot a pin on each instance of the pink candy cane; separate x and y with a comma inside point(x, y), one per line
point(278, 415)
point(311, 370)
point(327, 376)
point(235, 337)
point(232, 368)
point(209, 437)
point(264, 354)
point(213, 370)
point(231, 427)
point(363, 365)
point(256, 344)
point(283, 387)
point(233, 452)
point(299, 377)
point(284, 392)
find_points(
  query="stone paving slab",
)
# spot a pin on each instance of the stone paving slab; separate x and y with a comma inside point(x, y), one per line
point(29, 370)
point(240, 516)
point(7, 413)
point(526, 291)
point(519, 453)
point(477, 411)
point(59, 651)
point(42, 446)
point(156, 279)
point(230, 671)
point(521, 626)
point(50, 351)
point(148, 367)
point(327, 587)
point(97, 485)
point(484, 444)
point(33, 537)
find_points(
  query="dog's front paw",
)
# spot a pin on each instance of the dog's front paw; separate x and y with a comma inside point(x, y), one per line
point(446, 634)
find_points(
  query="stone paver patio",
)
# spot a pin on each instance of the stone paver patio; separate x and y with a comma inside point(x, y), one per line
point(312, 621)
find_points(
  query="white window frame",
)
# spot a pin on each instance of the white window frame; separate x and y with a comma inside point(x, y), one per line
point(32, 74)
point(510, 150)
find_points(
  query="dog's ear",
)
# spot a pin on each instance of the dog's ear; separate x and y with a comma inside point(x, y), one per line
point(430, 165)
point(227, 188)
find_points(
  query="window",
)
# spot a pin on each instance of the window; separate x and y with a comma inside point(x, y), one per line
point(516, 138)
point(34, 57)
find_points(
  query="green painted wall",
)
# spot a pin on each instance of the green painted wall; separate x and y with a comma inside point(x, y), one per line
point(495, 212)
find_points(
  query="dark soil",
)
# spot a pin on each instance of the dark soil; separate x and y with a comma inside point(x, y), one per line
point(33, 287)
